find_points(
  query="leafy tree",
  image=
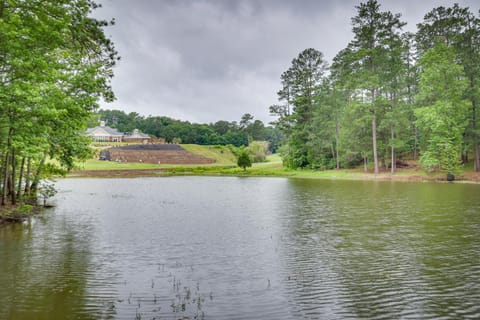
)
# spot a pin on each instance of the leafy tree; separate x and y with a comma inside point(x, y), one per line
point(441, 115)
point(275, 137)
point(460, 28)
point(355, 136)
point(258, 151)
point(325, 138)
point(55, 63)
point(256, 130)
point(221, 127)
point(243, 159)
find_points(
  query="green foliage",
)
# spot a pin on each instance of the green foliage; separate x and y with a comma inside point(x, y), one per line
point(243, 160)
point(301, 88)
point(460, 29)
point(56, 63)
point(258, 151)
point(47, 190)
point(442, 112)
point(175, 131)
point(386, 96)
point(24, 208)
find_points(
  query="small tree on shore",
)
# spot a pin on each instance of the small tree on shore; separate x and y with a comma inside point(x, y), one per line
point(47, 190)
point(243, 159)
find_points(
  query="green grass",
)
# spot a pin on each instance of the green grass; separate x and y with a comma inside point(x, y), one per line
point(221, 154)
point(94, 164)
point(226, 165)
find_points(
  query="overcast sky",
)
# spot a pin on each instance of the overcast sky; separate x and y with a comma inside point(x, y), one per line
point(206, 60)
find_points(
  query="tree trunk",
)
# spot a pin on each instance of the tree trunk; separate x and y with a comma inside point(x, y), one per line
point(27, 176)
point(2, 156)
point(415, 144)
point(333, 151)
point(6, 173)
point(365, 161)
point(13, 194)
point(394, 160)
point(5, 179)
point(475, 136)
point(374, 140)
point(477, 157)
point(36, 179)
point(337, 138)
point(20, 178)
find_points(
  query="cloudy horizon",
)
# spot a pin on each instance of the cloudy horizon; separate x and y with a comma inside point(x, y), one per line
point(203, 61)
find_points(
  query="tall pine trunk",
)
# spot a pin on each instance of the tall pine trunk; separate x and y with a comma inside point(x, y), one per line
point(394, 160)
point(374, 140)
point(332, 149)
point(475, 136)
point(337, 138)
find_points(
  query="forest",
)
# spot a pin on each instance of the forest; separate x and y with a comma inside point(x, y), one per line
point(176, 131)
point(389, 95)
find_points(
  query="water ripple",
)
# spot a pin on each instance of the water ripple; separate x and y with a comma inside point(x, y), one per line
point(197, 248)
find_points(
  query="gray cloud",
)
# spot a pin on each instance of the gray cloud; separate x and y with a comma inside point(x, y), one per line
point(205, 61)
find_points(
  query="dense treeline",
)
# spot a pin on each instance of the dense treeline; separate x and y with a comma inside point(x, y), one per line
point(388, 94)
point(55, 63)
point(176, 131)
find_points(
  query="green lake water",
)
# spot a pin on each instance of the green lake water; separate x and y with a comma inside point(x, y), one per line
point(245, 248)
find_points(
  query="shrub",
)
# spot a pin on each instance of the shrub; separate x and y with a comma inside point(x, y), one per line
point(243, 160)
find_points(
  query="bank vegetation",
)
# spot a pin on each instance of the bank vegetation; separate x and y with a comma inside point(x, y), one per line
point(55, 64)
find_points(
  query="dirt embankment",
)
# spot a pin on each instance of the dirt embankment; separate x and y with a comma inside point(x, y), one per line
point(155, 153)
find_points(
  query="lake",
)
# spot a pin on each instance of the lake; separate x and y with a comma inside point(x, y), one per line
point(245, 248)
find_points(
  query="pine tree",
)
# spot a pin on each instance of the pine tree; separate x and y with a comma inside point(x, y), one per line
point(369, 56)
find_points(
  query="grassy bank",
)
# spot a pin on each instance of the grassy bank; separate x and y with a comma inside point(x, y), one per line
point(225, 164)
point(18, 213)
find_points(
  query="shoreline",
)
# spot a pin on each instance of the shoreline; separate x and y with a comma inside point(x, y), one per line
point(13, 214)
point(343, 174)
point(10, 214)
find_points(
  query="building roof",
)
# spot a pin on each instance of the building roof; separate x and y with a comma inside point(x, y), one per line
point(103, 130)
point(137, 135)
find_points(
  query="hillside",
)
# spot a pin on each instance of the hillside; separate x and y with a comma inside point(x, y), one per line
point(218, 156)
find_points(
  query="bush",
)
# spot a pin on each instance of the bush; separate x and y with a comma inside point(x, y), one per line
point(258, 150)
point(243, 160)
